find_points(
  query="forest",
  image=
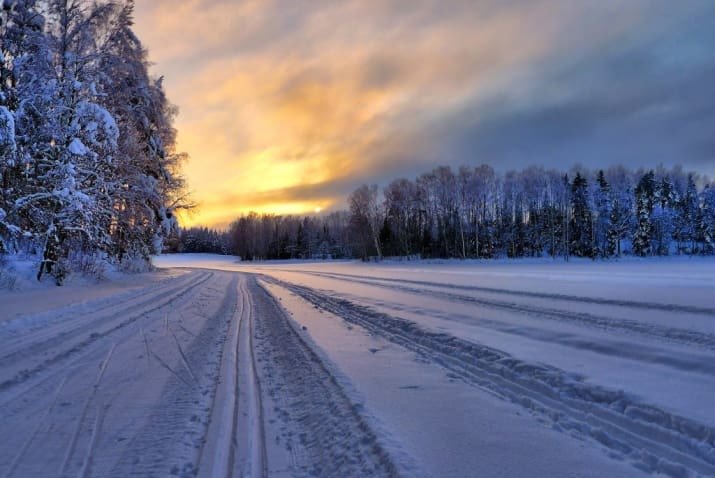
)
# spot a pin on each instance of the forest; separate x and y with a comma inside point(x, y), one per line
point(89, 174)
point(475, 212)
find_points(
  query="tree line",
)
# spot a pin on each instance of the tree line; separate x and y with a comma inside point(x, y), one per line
point(269, 236)
point(475, 212)
point(88, 166)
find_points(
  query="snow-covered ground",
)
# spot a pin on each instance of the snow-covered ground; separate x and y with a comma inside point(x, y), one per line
point(216, 367)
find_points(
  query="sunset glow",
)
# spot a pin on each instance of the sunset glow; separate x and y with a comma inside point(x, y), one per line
point(287, 104)
point(350, 238)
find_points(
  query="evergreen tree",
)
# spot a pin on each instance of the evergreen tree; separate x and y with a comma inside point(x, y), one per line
point(706, 220)
point(602, 223)
point(581, 230)
point(663, 217)
point(685, 220)
point(645, 199)
point(618, 224)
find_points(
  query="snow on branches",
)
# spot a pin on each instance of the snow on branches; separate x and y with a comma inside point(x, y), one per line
point(7, 133)
point(87, 161)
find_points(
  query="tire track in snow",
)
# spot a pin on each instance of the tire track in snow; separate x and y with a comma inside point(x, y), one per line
point(652, 439)
point(539, 295)
point(668, 334)
point(67, 313)
point(325, 431)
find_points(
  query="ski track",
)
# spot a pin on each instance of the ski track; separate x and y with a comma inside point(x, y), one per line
point(75, 436)
point(253, 460)
point(229, 450)
point(171, 440)
point(622, 325)
point(205, 374)
point(21, 453)
point(654, 440)
point(172, 380)
point(102, 322)
point(60, 346)
point(70, 360)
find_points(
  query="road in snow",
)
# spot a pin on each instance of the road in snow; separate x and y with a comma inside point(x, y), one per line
point(349, 369)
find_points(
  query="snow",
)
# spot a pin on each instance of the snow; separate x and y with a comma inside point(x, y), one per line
point(639, 328)
point(77, 147)
point(96, 123)
point(469, 430)
point(28, 297)
point(427, 368)
point(7, 131)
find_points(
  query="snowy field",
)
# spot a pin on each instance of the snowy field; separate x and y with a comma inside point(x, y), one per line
point(214, 367)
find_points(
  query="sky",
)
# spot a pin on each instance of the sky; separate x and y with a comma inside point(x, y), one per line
point(286, 106)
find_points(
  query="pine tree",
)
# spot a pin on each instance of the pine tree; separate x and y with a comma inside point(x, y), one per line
point(663, 217)
point(581, 238)
point(706, 220)
point(645, 198)
point(603, 205)
point(618, 225)
point(685, 220)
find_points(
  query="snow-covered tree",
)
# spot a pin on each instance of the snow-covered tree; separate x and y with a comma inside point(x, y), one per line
point(645, 200)
point(663, 217)
point(685, 221)
point(8, 150)
point(87, 157)
point(619, 222)
point(706, 220)
point(603, 208)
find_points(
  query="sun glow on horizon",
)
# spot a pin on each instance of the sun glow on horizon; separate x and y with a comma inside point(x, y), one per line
point(216, 218)
point(291, 120)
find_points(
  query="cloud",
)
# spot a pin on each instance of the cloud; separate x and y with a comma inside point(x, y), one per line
point(288, 104)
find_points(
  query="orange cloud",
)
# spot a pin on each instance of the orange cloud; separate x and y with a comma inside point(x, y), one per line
point(277, 98)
